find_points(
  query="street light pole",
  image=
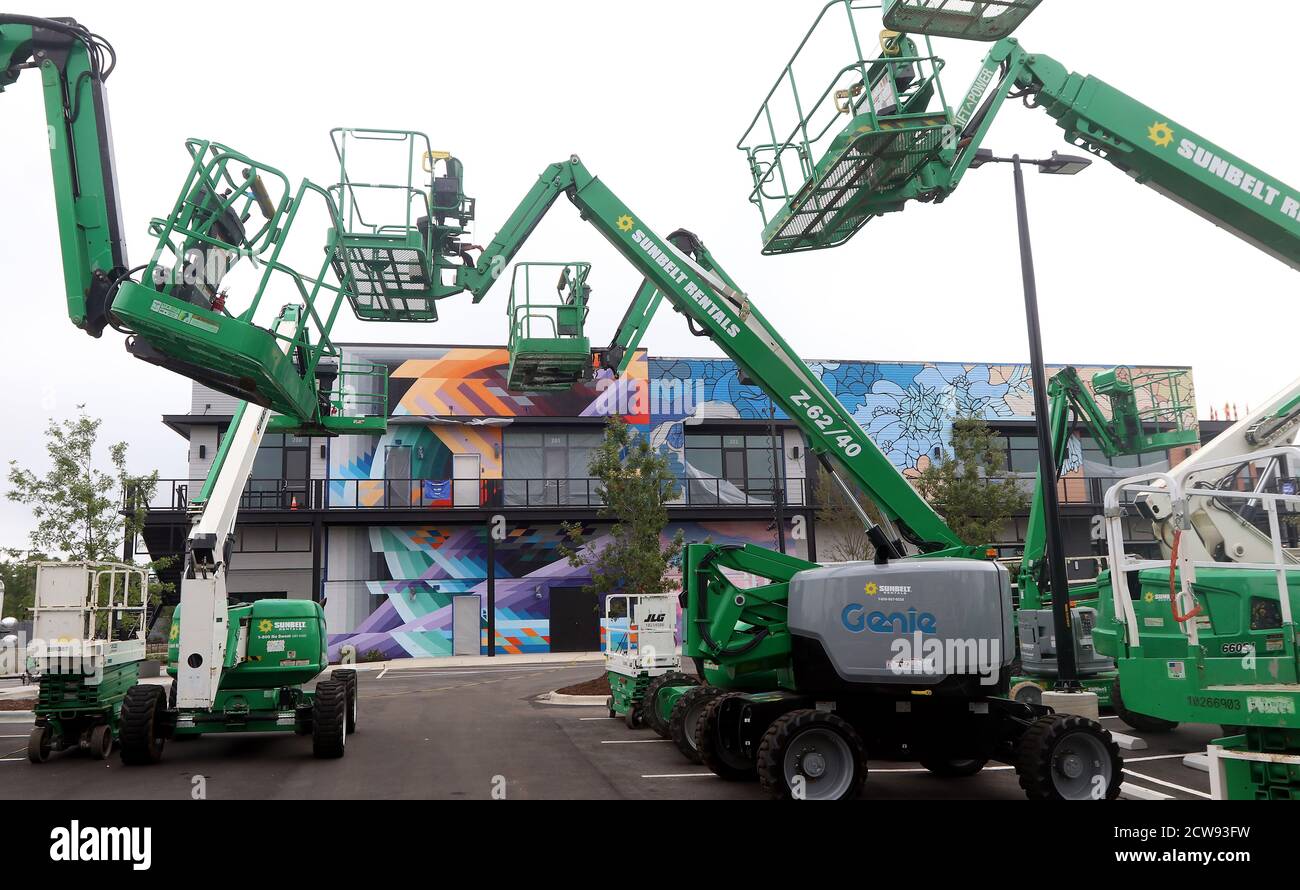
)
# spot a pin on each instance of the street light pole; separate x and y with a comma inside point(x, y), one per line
point(1067, 670)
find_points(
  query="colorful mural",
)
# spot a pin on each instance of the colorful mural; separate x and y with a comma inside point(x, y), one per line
point(448, 401)
point(906, 407)
point(430, 564)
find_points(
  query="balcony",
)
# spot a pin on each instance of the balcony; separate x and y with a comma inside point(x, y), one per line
point(273, 495)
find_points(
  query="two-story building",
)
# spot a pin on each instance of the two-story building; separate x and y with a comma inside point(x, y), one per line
point(444, 532)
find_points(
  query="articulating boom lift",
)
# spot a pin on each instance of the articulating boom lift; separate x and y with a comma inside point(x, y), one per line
point(810, 634)
point(238, 668)
point(1207, 636)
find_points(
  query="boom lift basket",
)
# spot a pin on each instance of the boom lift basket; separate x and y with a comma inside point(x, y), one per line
point(177, 313)
point(963, 19)
point(398, 237)
point(1150, 411)
point(822, 168)
point(548, 348)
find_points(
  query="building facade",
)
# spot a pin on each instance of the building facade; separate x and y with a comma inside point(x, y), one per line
point(443, 536)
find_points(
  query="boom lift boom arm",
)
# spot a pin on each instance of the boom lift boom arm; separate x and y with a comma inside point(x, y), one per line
point(1150, 147)
point(680, 269)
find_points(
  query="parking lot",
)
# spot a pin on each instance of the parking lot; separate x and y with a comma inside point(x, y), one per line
point(470, 732)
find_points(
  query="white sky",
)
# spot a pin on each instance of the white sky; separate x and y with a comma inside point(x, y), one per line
point(653, 98)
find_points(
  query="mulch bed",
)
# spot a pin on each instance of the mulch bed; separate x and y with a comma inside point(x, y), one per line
point(598, 686)
point(17, 704)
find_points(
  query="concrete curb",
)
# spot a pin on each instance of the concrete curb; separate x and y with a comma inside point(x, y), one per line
point(23, 716)
point(558, 698)
point(563, 659)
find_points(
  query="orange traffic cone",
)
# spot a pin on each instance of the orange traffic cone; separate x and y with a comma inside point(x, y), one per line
point(293, 503)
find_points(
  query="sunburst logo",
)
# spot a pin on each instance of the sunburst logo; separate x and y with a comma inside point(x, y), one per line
point(1149, 596)
point(175, 633)
point(871, 589)
point(1160, 133)
point(265, 625)
point(625, 223)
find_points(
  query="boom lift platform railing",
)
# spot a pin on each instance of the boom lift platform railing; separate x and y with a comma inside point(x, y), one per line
point(178, 316)
point(964, 19)
point(869, 130)
point(881, 154)
point(399, 238)
point(547, 346)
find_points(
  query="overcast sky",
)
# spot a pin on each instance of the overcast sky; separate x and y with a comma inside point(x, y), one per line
point(653, 97)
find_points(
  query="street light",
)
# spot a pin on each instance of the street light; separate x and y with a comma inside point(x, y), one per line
point(1067, 674)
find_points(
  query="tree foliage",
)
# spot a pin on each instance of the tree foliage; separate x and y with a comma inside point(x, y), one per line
point(78, 506)
point(970, 487)
point(841, 536)
point(635, 484)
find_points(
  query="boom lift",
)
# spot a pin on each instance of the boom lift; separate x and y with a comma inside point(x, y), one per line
point(1165, 422)
point(239, 668)
point(881, 135)
point(804, 662)
point(1207, 636)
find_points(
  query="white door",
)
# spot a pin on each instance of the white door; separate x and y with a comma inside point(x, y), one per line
point(465, 479)
point(465, 625)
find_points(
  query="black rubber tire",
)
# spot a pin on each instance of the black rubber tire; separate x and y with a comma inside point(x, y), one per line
point(1037, 748)
point(1140, 722)
point(40, 744)
point(650, 701)
point(634, 718)
point(950, 768)
point(101, 741)
point(329, 724)
point(609, 706)
point(349, 677)
point(140, 729)
point(682, 732)
point(707, 741)
point(785, 731)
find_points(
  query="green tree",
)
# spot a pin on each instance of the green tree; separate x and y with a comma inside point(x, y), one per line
point(970, 487)
point(841, 536)
point(78, 507)
point(635, 484)
point(19, 579)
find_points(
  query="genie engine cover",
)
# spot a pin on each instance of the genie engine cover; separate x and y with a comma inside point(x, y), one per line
point(911, 622)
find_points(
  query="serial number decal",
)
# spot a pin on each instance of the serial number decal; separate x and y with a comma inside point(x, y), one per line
point(1211, 701)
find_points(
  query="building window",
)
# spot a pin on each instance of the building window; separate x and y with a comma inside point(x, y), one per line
point(280, 474)
point(549, 468)
point(741, 464)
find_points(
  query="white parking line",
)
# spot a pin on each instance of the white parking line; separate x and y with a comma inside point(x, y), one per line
point(13, 736)
point(1152, 757)
point(678, 776)
point(12, 759)
point(921, 769)
point(1184, 788)
point(384, 671)
point(634, 741)
point(597, 718)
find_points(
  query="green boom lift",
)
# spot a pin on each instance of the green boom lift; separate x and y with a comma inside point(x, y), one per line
point(1207, 636)
point(804, 668)
point(238, 668)
point(1161, 420)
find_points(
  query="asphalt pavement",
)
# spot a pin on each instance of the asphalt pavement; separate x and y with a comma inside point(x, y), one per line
point(475, 732)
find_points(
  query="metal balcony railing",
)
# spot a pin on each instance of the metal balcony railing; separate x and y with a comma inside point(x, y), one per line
point(173, 495)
